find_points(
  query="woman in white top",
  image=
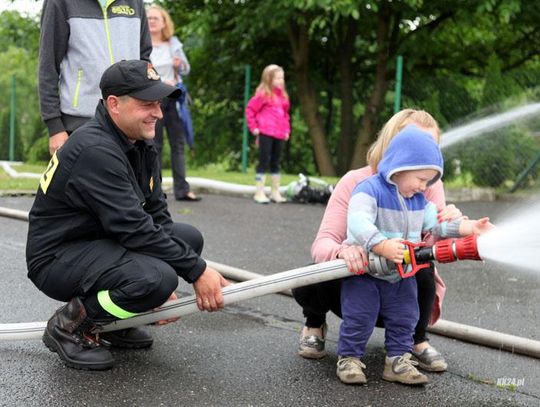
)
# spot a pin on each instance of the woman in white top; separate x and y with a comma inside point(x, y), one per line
point(170, 62)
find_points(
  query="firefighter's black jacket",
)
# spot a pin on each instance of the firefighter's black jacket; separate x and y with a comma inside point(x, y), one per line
point(101, 186)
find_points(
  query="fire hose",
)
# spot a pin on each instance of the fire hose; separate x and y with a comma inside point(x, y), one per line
point(419, 255)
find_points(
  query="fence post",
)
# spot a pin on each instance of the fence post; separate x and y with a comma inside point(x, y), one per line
point(12, 119)
point(399, 77)
point(245, 134)
point(525, 173)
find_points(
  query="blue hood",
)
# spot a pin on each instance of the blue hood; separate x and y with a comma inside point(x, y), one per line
point(411, 149)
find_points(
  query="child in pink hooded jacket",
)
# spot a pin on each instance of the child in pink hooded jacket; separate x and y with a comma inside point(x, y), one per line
point(267, 115)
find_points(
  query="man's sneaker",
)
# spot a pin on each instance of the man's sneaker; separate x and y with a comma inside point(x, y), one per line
point(130, 338)
point(312, 342)
point(349, 370)
point(401, 369)
point(430, 360)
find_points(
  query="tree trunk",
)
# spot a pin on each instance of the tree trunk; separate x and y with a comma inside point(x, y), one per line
point(367, 130)
point(346, 44)
point(299, 39)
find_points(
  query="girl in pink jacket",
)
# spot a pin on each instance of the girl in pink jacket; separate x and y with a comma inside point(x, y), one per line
point(267, 115)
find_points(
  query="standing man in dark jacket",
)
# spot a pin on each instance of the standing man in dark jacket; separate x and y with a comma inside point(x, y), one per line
point(100, 236)
point(79, 40)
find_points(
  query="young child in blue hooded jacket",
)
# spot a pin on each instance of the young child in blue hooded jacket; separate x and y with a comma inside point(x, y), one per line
point(384, 210)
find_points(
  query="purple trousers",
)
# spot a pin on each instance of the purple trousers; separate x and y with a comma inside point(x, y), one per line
point(363, 298)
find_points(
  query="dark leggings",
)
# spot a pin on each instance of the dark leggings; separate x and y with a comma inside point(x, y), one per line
point(136, 282)
point(317, 299)
point(269, 154)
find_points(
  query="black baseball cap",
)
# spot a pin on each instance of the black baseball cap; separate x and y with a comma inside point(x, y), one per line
point(137, 79)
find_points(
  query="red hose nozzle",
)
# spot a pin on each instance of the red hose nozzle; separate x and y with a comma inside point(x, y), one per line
point(449, 250)
point(467, 248)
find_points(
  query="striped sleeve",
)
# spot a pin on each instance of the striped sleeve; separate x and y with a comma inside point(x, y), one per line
point(361, 217)
point(443, 229)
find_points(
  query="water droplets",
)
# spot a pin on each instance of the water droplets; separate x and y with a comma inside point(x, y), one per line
point(515, 241)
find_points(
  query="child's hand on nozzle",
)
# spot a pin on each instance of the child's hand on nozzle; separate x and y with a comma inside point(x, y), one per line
point(481, 226)
point(477, 227)
point(391, 249)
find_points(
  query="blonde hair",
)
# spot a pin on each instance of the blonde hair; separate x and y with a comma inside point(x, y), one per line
point(267, 77)
point(393, 126)
point(168, 31)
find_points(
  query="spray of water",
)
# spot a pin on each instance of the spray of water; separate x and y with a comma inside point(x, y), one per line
point(515, 241)
point(487, 124)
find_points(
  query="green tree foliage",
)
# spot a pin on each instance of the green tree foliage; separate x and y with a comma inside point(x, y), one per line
point(497, 87)
point(18, 31)
point(460, 57)
point(339, 58)
point(19, 39)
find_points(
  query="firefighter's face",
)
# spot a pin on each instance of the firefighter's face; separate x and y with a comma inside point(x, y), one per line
point(136, 118)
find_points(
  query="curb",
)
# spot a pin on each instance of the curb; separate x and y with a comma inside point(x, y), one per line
point(224, 188)
point(470, 194)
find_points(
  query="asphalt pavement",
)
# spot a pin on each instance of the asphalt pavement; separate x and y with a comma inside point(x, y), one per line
point(246, 355)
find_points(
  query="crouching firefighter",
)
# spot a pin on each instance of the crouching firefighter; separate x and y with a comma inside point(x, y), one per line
point(100, 236)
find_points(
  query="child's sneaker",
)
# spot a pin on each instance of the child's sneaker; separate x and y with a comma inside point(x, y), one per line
point(430, 360)
point(349, 370)
point(312, 342)
point(401, 369)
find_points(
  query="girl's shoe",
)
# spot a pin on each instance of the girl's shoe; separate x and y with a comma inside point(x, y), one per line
point(312, 342)
point(430, 360)
point(260, 196)
point(275, 195)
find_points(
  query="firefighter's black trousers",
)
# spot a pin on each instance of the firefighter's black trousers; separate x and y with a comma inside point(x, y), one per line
point(136, 282)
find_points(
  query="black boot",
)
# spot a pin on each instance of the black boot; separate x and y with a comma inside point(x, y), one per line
point(69, 333)
point(130, 338)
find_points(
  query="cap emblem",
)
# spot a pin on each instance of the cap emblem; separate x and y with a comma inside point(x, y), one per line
point(151, 73)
